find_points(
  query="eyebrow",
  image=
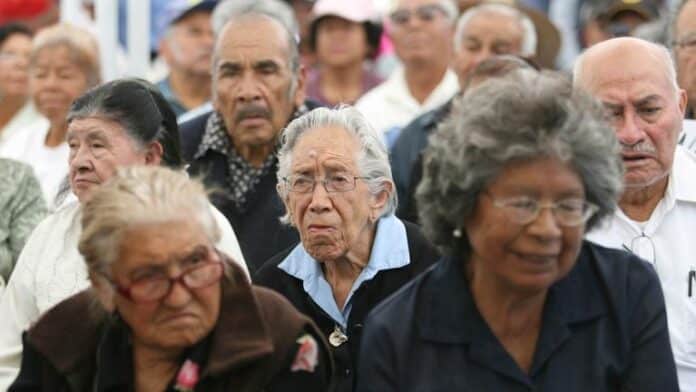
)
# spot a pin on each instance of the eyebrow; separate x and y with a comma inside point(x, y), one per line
point(647, 100)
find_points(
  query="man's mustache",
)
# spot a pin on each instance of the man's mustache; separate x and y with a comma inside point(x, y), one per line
point(252, 111)
point(644, 147)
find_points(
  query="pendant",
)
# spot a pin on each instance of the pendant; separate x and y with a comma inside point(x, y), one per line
point(337, 337)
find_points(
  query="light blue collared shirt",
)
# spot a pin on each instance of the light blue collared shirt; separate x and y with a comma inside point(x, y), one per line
point(389, 251)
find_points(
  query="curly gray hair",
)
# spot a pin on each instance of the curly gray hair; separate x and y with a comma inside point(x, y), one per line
point(372, 159)
point(524, 116)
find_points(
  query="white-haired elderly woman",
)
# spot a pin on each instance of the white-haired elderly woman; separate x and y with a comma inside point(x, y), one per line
point(519, 302)
point(166, 311)
point(335, 180)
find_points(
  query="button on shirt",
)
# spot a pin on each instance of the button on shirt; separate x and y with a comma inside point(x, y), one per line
point(389, 251)
point(668, 241)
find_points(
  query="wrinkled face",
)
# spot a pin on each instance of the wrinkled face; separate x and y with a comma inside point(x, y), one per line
point(331, 224)
point(14, 66)
point(487, 34)
point(55, 81)
point(685, 49)
point(424, 35)
point(97, 148)
point(531, 257)
point(644, 108)
point(340, 42)
point(184, 316)
point(253, 81)
point(189, 46)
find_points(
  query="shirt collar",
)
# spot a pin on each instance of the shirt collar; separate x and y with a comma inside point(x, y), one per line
point(389, 251)
point(681, 185)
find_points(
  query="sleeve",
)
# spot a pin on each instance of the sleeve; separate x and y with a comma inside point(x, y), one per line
point(18, 305)
point(652, 366)
point(376, 370)
point(27, 210)
point(228, 243)
point(30, 375)
point(308, 369)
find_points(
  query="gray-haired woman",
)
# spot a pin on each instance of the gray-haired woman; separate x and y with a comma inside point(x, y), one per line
point(166, 310)
point(335, 180)
point(512, 181)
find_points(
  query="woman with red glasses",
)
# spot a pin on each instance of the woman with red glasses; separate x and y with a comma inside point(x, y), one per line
point(166, 311)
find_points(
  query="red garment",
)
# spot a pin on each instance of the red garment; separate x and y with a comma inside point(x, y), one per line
point(19, 9)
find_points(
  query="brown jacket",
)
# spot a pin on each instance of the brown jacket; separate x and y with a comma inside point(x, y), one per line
point(253, 345)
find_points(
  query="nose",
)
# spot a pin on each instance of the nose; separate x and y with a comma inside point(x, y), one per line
point(178, 295)
point(481, 55)
point(320, 199)
point(248, 89)
point(80, 160)
point(629, 130)
point(545, 226)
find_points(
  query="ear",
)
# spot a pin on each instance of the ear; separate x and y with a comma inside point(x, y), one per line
point(104, 291)
point(380, 200)
point(279, 188)
point(300, 93)
point(683, 101)
point(154, 153)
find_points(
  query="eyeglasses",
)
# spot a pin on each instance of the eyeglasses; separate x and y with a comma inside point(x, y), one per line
point(643, 247)
point(524, 210)
point(158, 285)
point(339, 182)
point(424, 13)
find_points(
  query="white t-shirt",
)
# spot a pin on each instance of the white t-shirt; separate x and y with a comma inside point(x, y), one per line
point(390, 106)
point(49, 270)
point(26, 116)
point(50, 164)
point(668, 241)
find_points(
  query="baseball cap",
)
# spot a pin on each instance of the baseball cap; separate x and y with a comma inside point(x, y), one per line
point(645, 8)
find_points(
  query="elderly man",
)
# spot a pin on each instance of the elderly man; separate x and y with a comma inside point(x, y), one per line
point(636, 82)
point(258, 87)
point(187, 47)
point(683, 38)
point(422, 34)
point(482, 31)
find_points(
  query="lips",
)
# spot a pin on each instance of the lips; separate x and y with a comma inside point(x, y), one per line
point(319, 228)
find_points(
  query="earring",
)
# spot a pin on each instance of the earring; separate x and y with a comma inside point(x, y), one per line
point(457, 233)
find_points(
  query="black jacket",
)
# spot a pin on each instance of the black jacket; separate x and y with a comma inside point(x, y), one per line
point(251, 348)
point(604, 328)
point(259, 232)
point(366, 297)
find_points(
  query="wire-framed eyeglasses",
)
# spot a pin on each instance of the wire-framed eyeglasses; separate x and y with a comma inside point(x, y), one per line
point(644, 247)
point(200, 272)
point(570, 212)
point(337, 182)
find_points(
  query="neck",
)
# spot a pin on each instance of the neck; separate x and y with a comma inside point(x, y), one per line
point(56, 133)
point(255, 155)
point(152, 368)
point(191, 89)
point(9, 106)
point(639, 203)
point(513, 317)
point(423, 78)
point(342, 83)
point(342, 272)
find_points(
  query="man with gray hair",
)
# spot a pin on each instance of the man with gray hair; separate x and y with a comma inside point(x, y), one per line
point(421, 31)
point(483, 31)
point(636, 82)
point(258, 87)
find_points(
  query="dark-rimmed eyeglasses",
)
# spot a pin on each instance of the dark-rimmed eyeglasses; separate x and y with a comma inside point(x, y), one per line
point(424, 13)
point(570, 212)
point(339, 182)
point(158, 285)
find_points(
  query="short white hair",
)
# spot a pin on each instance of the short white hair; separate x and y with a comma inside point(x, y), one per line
point(529, 33)
point(449, 6)
point(372, 159)
point(659, 51)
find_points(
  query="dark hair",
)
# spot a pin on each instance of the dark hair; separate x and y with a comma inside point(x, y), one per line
point(9, 29)
point(373, 34)
point(140, 108)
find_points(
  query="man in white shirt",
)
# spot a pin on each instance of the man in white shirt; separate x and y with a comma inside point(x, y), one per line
point(422, 32)
point(636, 82)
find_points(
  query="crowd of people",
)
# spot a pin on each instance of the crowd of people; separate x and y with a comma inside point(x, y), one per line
point(329, 195)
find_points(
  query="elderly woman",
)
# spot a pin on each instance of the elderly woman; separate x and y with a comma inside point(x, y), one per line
point(172, 313)
point(335, 180)
point(120, 123)
point(63, 64)
point(512, 181)
point(16, 111)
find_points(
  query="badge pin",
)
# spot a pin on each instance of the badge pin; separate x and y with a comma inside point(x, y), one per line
point(337, 337)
